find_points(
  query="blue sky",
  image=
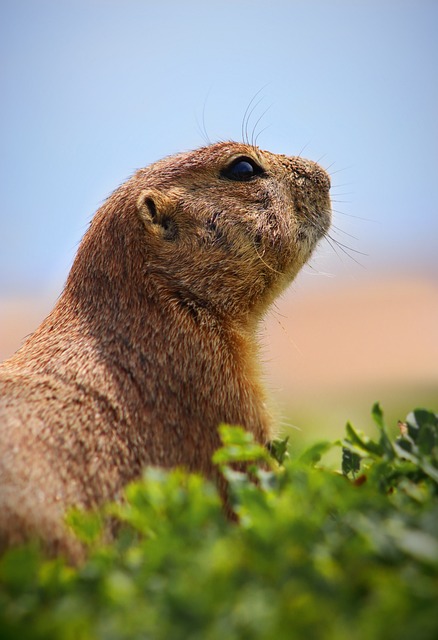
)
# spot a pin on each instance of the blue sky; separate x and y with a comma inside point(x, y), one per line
point(93, 90)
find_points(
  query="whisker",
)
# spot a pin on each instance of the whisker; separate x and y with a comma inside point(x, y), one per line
point(255, 126)
point(335, 243)
point(275, 309)
point(244, 127)
point(249, 118)
point(265, 263)
point(339, 230)
point(203, 117)
point(332, 173)
point(346, 247)
point(289, 425)
point(286, 332)
point(259, 134)
point(201, 131)
point(305, 147)
point(344, 184)
point(316, 272)
point(332, 245)
point(350, 215)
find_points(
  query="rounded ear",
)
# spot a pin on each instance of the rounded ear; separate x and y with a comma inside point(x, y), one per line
point(157, 208)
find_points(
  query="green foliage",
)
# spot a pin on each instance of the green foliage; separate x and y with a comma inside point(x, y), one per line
point(315, 554)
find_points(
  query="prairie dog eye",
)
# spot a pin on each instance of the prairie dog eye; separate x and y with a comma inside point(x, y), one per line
point(242, 169)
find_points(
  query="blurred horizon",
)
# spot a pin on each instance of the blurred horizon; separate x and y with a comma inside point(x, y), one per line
point(327, 355)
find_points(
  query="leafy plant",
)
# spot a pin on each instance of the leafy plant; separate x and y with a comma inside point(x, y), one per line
point(315, 553)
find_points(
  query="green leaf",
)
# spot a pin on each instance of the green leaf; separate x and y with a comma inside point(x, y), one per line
point(419, 418)
point(423, 429)
point(87, 525)
point(278, 449)
point(19, 567)
point(313, 455)
point(362, 442)
point(238, 446)
point(306, 555)
point(377, 415)
point(385, 440)
point(350, 461)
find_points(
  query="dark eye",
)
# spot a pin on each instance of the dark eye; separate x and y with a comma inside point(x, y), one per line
point(242, 170)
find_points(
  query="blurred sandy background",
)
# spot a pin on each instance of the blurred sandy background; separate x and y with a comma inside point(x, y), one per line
point(328, 355)
point(92, 90)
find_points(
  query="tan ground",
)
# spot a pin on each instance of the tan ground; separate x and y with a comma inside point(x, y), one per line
point(338, 351)
point(329, 354)
point(378, 331)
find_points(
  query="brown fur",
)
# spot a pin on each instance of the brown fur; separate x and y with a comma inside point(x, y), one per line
point(152, 343)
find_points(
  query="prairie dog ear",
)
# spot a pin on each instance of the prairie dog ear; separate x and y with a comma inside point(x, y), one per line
point(157, 208)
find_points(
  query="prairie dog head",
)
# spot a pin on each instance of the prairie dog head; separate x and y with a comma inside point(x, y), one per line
point(227, 226)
